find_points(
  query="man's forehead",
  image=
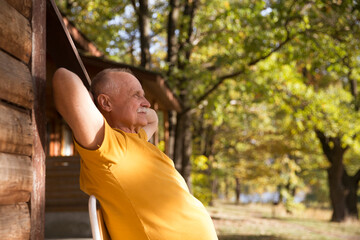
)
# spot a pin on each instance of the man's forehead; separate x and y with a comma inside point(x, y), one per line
point(124, 78)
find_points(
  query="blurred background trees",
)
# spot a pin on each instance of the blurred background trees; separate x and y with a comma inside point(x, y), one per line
point(268, 89)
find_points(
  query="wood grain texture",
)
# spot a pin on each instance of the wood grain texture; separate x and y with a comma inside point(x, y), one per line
point(15, 32)
point(16, 135)
point(15, 178)
point(14, 221)
point(38, 71)
point(63, 186)
point(15, 81)
point(22, 6)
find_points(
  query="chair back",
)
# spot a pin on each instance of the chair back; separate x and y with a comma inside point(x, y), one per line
point(98, 228)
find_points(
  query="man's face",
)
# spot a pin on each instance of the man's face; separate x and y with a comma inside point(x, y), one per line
point(128, 102)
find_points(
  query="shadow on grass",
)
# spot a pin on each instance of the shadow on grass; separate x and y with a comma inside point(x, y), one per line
point(249, 237)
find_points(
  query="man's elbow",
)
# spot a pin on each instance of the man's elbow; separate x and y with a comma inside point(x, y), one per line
point(59, 75)
point(59, 87)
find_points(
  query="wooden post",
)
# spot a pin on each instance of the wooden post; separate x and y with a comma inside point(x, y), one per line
point(156, 134)
point(166, 132)
point(38, 70)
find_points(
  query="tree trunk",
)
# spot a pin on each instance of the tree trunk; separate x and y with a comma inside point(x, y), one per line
point(172, 129)
point(183, 147)
point(351, 184)
point(144, 25)
point(214, 189)
point(172, 38)
point(183, 138)
point(334, 152)
point(187, 148)
point(179, 136)
point(237, 191)
point(226, 193)
point(208, 150)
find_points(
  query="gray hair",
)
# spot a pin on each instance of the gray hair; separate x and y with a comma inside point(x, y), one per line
point(102, 83)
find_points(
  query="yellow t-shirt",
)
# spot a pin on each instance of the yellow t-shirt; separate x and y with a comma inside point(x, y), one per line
point(141, 193)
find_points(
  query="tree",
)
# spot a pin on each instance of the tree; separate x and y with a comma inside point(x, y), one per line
point(333, 50)
point(202, 46)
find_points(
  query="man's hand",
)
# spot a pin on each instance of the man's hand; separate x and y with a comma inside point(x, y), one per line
point(152, 124)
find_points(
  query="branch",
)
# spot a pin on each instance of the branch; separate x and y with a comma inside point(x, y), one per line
point(133, 2)
point(324, 142)
point(221, 79)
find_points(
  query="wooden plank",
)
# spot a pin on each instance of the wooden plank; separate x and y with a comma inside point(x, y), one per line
point(15, 81)
point(14, 221)
point(56, 174)
point(74, 181)
point(15, 178)
point(67, 208)
point(68, 202)
point(62, 164)
point(71, 195)
point(15, 32)
point(38, 70)
point(23, 6)
point(15, 131)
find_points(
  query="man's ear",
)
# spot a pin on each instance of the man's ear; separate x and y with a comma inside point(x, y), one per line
point(104, 102)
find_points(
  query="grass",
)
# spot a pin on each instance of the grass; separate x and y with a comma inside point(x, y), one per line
point(268, 222)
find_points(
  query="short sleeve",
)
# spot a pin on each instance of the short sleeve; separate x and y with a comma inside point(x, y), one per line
point(112, 147)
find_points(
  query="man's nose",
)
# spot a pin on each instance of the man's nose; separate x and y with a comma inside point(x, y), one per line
point(145, 103)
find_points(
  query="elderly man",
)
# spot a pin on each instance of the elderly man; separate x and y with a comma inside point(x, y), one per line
point(141, 193)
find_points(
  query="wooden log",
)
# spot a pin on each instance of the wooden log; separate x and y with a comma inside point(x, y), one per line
point(14, 221)
point(16, 134)
point(15, 81)
point(15, 32)
point(15, 178)
point(23, 6)
point(38, 70)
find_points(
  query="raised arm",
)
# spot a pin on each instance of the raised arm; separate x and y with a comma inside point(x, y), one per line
point(152, 125)
point(73, 102)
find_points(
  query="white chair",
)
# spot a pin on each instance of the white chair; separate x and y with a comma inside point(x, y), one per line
point(97, 223)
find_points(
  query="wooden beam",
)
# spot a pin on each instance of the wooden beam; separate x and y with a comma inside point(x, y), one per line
point(23, 6)
point(38, 70)
point(14, 221)
point(61, 47)
point(15, 81)
point(15, 131)
point(81, 39)
point(166, 131)
point(15, 178)
point(15, 32)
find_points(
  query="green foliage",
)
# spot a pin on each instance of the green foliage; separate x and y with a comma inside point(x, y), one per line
point(200, 180)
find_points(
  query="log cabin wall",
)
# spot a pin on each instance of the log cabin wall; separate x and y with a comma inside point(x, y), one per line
point(19, 73)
